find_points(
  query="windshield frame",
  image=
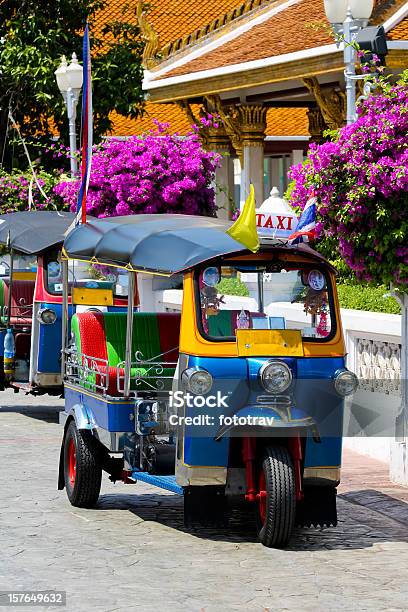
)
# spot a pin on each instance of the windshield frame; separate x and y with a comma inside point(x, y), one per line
point(297, 265)
point(49, 257)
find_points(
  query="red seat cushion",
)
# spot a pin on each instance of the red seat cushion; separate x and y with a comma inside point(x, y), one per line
point(169, 331)
point(21, 321)
point(92, 334)
point(22, 297)
point(23, 344)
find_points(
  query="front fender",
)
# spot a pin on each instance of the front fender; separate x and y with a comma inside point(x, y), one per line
point(84, 421)
point(82, 416)
point(258, 418)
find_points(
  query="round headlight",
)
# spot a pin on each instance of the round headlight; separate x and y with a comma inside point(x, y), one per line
point(345, 382)
point(47, 316)
point(276, 377)
point(197, 381)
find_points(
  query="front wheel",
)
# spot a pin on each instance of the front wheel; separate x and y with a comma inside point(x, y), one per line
point(276, 508)
point(82, 467)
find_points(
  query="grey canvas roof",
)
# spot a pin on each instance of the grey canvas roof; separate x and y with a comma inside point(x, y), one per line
point(166, 244)
point(32, 232)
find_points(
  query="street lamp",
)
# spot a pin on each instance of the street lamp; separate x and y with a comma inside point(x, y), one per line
point(348, 17)
point(69, 81)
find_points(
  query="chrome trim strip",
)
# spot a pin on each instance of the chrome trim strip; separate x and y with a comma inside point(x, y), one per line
point(325, 475)
point(47, 379)
point(200, 476)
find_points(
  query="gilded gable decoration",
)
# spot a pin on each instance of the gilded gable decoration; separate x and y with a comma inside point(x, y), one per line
point(332, 105)
point(149, 35)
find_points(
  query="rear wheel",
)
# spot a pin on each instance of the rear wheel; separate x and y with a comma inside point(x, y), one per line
point(276, 508)
point(82, 467)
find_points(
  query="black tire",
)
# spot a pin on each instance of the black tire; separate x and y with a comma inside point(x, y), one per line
point(83, 481)
point(276, 518)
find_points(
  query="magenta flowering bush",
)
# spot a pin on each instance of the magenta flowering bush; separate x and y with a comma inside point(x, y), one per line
point(15, 189)
point(155, 173)
point(361, 182)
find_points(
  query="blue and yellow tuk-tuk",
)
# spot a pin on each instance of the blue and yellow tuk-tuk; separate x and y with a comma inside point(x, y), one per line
point(31, 298)
point(229, 401)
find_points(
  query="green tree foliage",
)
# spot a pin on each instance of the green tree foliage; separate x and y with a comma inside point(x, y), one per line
point(232, 286)
point(34, 34)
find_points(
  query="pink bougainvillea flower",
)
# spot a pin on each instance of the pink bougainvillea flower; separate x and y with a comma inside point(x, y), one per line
point(154, 173)
point(361, 182)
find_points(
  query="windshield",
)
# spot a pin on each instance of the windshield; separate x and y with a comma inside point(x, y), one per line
point(85, 274)
point(21, 263)
point(259, 297)
point(25, 262)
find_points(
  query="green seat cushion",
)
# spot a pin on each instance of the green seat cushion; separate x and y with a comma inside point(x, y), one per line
point(220, 325)
point(75, 332)
point(146, 338)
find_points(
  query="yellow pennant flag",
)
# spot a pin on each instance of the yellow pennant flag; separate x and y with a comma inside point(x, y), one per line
point(244, 229)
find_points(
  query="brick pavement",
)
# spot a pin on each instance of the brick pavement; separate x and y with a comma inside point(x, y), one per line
point(132, 552)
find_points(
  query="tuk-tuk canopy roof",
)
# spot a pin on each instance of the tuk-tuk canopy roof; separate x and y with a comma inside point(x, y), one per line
point(32, 232)
point(161, 244)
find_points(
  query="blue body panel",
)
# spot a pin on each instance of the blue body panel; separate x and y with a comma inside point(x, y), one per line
point(49, 342)
point(49, 347)
point(110, 415)
point(238, 378)
point(2, 336)
point(256, 411)
point(230, 377)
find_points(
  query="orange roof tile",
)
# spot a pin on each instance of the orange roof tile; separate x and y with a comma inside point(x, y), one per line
point(170, 18)
point(299, 27)
point(287, 122)
point(291, 30)
point(175, 18)
point(280, 121)
point(164, 113)
point(400, 32)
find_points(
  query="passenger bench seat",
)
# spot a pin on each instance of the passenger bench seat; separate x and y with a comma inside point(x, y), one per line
point(103, 335)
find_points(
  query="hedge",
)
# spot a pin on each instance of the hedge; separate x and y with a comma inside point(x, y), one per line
point(356, 297)
point(371, 299)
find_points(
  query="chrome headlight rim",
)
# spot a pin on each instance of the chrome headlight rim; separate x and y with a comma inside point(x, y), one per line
point(339, 380)
point(189, 376)
point(284, 367)
point(42, 316)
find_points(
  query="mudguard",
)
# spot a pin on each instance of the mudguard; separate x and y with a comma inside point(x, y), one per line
point(84, 421)
point(82, 416)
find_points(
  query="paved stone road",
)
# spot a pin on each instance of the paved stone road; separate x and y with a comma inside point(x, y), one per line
point(132, 552)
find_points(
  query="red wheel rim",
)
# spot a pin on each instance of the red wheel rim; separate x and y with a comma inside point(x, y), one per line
point(262, 497)
point(71, 462)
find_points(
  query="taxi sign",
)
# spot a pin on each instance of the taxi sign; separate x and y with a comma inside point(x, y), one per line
point(275, 218)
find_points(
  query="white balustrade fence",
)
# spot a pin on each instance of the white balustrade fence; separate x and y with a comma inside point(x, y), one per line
point(374, 348)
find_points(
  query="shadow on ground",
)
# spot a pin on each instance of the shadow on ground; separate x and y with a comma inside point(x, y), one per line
point(382, 503)
point(361, 523)
point(49, 414)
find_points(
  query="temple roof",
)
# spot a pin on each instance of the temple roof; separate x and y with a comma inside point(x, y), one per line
point(175, 22)
point(289, 28)
point(246, 12)
point(225, 36)
point(170, 18)
point(277, 29)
